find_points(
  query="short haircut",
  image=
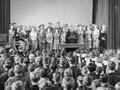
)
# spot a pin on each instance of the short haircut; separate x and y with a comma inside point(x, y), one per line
point(87, 80)
point(68, 72)
point(43, 73)
point(68, 83)
point(34, 77)
point(56, 77)
point(18, 85)
point(92, 67)
point(104, 78)
point(96, 83)
point(17, 69)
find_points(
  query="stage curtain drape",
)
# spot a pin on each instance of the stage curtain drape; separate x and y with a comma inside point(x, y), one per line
point(4, 20)
point(108, 12)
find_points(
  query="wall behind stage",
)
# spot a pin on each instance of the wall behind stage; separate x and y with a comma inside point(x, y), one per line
point(35, 12)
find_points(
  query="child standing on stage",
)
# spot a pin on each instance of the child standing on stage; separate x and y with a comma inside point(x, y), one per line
point(56, 36)
point(80, 34)
point(89, 36)
point(11, 36)
point(63, 35)
point(41, 37)
point(33, 36)
point(49, 39)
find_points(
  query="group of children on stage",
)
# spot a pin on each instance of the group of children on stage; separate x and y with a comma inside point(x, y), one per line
point(48, 37)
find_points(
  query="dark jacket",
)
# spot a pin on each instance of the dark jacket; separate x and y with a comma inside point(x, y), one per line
point(34, 87)
point(10, 81)
point(76, 71)
point(113, 79)
point(57, 86)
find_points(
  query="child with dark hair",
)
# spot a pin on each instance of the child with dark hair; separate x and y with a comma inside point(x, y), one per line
point(98, 71)
point(38, 61)
point(104, 83)
point(84, 71)
point(57, 81)
point(68, 83)
point(18, 85)
point(113, 78)
point(68, 73)
point(92, 68)
point(79, 81)
point(31, 68)
point(46, 62)
point(63, 63)
point(18, 76)
point(44, 83)
point(76, 70)
point(86, 84)
point(34, 77)
point(52, 67)
point(95, 84)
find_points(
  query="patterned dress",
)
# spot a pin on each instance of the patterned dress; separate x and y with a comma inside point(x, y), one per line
point(56, 40)
point(63, 38)
point(81, 37)
point(89, 38)
point(49, 39)
point(34, 41)
point(41, 40)
point(11, 38)
point(95, 35)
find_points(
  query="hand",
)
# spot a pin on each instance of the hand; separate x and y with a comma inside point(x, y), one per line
point(25, 39)
point(103, 38)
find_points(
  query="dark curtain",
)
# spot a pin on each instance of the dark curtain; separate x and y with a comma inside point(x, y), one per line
point(4, 20)
point(108, 12)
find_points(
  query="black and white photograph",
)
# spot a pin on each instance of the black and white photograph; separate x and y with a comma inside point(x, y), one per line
point(59, 44)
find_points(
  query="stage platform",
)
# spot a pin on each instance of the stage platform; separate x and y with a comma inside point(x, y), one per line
point(73, 45)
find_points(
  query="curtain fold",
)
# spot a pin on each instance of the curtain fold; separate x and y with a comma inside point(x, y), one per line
point(4, 20)
point(108, 12)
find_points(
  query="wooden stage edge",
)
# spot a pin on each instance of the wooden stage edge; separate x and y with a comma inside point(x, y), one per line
point(73, 45)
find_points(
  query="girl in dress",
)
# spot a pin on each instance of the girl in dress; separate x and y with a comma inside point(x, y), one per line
point(80, 34)
point(89, 36)
point(23, 36)
point(49, 39)
point(11, 36)
point(95, 36)
point(33, 37)
point(63, 36)
point(41, 37)
point(56, 36)
point(102, 38)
